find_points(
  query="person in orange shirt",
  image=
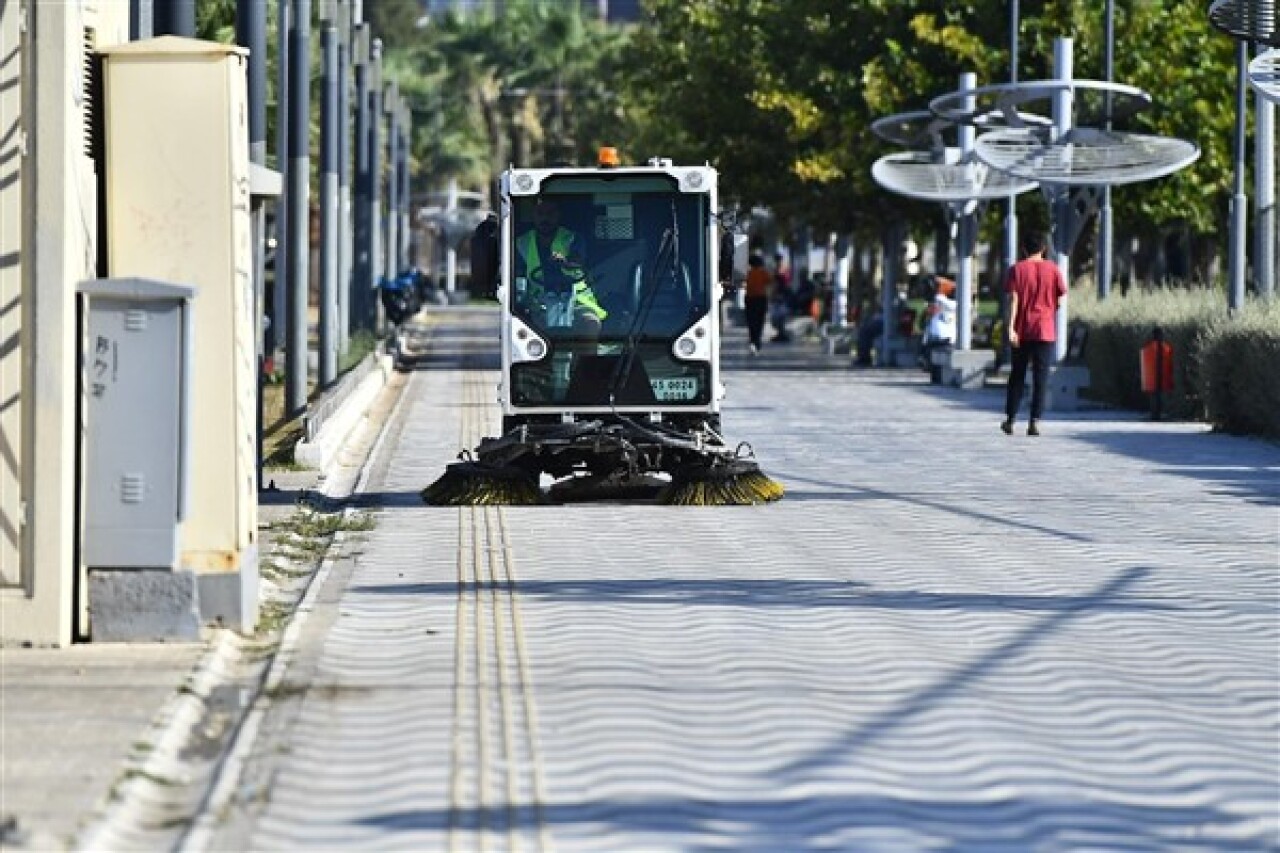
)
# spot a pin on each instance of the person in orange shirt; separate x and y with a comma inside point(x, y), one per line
point(756, 300)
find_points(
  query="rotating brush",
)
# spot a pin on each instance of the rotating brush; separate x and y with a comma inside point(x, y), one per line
point(476, 484)
point(735, 482)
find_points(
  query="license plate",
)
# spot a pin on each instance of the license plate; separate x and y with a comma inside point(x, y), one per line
point(674, 389)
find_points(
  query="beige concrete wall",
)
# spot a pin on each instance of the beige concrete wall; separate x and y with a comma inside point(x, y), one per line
point(59, 224)
point(14, 84)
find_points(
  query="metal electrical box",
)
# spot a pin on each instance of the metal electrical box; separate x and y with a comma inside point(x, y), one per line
point(137, 353)
point(177, 208)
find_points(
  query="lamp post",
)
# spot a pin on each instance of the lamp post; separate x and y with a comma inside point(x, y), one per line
point(391, 106)
point(1264, 122)
point(373, 127)
point(330, 130)
point(279, 321)
point(350, 15)
point(361, 254)
point(251, 32)
point(297, 246)
point(1236, 266)
point(1105, 235)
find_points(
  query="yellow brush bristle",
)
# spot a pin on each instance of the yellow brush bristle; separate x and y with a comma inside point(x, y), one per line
point(737, 490)
point(474, 488)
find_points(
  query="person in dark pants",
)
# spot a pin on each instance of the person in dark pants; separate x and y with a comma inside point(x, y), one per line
point(756, 300)
point(1036, 288)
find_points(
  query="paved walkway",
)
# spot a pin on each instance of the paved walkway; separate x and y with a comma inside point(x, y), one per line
point(943, 638)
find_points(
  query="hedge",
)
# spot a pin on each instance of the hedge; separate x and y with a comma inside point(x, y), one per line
point(1226, 365)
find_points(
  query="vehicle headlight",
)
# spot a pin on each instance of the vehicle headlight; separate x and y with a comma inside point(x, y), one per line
point(685, 347)
point(536, 349)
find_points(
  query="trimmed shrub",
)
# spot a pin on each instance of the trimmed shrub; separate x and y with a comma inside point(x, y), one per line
point(1120, 325)
point(1240, 370)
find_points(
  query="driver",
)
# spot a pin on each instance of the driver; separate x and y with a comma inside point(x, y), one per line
point(551, 257)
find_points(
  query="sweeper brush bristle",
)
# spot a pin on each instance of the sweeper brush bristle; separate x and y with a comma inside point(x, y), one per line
point(736, 483)
point(473, 484)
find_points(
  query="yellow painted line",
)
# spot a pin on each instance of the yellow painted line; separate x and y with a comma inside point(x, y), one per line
point(512, 759)
point(459, 695)
point(524, 668)
point(481, 693)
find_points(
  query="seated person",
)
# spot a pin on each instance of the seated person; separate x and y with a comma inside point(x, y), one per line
point(552, 260)
point(940, 330)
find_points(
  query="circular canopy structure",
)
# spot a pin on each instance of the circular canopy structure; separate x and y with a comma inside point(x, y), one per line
point(1264, 74)
point(912, 129)
point(1248, 20)
point(920, 175)
point(1084, 156)
point(920, 127)
point(1001, 105)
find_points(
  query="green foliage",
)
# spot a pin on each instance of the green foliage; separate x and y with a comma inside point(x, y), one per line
point(531, 86)
point(1240, 363)
point(1225, 364)
point(780, 96)
point(394, 21)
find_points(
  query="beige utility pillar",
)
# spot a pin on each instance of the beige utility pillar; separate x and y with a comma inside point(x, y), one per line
point(177, 210)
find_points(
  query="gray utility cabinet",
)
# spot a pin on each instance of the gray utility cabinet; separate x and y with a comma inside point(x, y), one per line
point(136, 369)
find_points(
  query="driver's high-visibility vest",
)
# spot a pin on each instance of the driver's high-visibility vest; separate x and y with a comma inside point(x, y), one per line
point(527, 245)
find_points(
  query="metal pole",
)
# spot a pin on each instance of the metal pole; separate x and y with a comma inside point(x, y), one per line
point(1011, 210)
point(450, 251)
point(889, 291)
point(279, 322)
point(840, 285)
point(1105, 227)
point(297, 202)
point(330, 127)
point(390, 259)
point(141, 19)
point(406, 137)
point(251, 32)
point(345, 240)
point(967, 222)
point(1235, 284)
point(361, 255)
point(1063, 106)
point(1264, 122)
point(374, 128)
point(174, 17)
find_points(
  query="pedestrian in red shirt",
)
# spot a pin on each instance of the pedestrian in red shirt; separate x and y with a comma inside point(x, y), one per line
point(1036, 289)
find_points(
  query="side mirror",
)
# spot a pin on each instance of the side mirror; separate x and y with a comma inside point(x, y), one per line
point(484, 259)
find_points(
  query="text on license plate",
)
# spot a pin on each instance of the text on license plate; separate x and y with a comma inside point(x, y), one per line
point(674, 389)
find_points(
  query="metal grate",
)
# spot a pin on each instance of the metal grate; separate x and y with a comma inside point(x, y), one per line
point(615, 228)
point(91, 94)
point(133, 488)
point(1250, 20)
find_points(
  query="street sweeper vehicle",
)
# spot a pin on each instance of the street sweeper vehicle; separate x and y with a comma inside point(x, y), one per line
point(609, 282)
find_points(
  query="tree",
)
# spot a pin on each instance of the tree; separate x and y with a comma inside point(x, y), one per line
point(781, 96)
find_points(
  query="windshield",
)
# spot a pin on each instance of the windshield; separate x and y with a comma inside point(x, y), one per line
point(610, 271)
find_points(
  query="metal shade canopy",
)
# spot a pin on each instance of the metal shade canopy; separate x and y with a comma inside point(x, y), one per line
point(920, 175)
point(910, 129)
point(1248, 20)
point(1000, 105)
point(1084, 156)
point(1264, 74)
point(922, 126)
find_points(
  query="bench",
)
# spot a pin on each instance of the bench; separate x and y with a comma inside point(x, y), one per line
point(1065, 382)
point(968, 368)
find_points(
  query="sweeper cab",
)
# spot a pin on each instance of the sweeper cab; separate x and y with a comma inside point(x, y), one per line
point(609, 281)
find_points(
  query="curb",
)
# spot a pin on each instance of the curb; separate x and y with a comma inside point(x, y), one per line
point(350, 407)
